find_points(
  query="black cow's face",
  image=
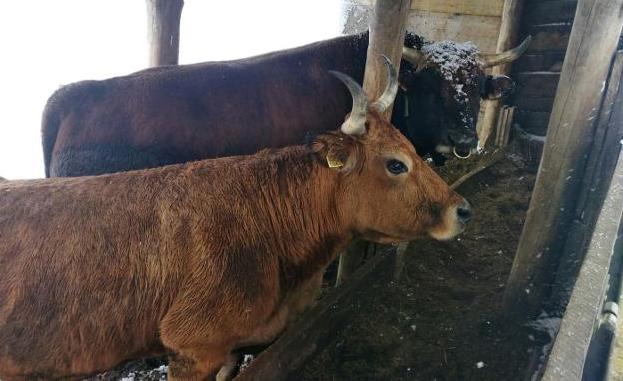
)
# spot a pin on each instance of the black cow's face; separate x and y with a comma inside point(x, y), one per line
point(441, 95)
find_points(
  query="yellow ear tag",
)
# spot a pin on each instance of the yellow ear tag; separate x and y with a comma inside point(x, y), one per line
point(334, 163)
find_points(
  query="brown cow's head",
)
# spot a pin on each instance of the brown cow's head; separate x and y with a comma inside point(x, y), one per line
point(389, 191)
point(443, 84)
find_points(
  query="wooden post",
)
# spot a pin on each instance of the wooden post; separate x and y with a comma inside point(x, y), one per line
point(566, 361)
point(507, 39)
point(387, 34)
point(592, 43)
point(599, 168)
point(163, 31)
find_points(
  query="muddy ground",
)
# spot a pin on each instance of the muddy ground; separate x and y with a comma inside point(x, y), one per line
point(440, 320)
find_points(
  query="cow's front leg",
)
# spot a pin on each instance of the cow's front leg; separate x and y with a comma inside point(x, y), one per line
point(199, 364)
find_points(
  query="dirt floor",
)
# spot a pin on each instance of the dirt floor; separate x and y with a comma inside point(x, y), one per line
point(440, 320)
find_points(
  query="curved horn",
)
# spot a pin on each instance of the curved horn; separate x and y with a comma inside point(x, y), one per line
point(414, 56)
point(389, 94)
point(356, 122)
point(507, 56)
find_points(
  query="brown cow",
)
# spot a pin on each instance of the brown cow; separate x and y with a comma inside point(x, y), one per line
point(201, 258)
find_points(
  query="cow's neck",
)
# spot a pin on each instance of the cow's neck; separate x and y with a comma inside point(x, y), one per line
point(305, 218)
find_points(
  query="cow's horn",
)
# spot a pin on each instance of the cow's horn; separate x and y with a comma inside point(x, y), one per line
point(356, 122)
point(507, 56)
point(414, 56)
point(388, 96)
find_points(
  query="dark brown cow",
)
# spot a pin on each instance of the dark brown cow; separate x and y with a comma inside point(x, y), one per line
point(201, 258)
point(176, 114)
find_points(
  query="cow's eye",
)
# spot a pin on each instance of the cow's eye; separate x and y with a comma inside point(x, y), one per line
point(396, 167)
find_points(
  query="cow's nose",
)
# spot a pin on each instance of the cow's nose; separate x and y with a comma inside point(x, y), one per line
point(464, 212)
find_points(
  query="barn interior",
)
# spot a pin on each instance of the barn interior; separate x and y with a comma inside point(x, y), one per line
point(531, 289)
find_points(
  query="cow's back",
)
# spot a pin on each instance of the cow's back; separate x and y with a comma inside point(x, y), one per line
point(79, 275)
point(181, 113)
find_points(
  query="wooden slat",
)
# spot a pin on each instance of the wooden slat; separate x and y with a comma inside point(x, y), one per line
point(533, 122)
point(540, 61)
point(482, 30)
point(464, 7)
point(459, 7)
point(536, 84)
point(592, 44)
point(543, 104)
point(566, 360)
point(545, 12)
point(549, 38)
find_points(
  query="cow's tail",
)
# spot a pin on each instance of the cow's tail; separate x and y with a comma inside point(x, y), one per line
point(50, 122)
point(55, 109)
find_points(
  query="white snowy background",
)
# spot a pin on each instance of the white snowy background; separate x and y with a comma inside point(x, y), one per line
point(47, 44)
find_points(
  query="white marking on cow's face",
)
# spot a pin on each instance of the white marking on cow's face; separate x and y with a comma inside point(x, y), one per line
point(451, 226)
point(442, 148)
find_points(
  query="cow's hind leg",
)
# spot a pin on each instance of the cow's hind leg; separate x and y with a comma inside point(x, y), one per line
point(198, 364)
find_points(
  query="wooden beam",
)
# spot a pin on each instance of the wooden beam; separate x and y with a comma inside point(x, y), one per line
point(598, 171)
point(507, 39)
point(592, 43)
point(388, 26)
point(566, 361)
point(163, 31)
point(463, 7)
point(387, 34)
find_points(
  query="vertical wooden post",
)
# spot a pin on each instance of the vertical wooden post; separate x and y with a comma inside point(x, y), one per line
point(507, 39)
point(163, 31)
point(388, 26)
point(387, 34)
point(592, 43)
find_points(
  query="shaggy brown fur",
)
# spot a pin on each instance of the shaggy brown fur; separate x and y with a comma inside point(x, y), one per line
point(197, 259)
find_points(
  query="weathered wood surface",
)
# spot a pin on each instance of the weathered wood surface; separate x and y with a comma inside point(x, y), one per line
point(549, 37)
point(507, 39)
point(536, 84)
point(533, 122)
point(163, 31)
point(599, 168)
point(540, 61)
point(465, 7)
point(535, 104)
point(592, 43)
point(437, 26)
point(387, 35)
point(566, 360)
point(550, 11)
point(527, 145)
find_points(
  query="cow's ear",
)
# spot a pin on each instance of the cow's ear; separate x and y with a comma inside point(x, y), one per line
point(496, 87)
point(337, 151)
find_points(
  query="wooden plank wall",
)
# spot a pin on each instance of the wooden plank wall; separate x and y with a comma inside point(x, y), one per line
point(477, 21)
point(537, 72)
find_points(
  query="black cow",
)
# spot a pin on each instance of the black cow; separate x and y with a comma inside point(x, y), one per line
point(175, 114)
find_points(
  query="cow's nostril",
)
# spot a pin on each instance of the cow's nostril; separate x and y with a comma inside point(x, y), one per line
point(464, 212)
